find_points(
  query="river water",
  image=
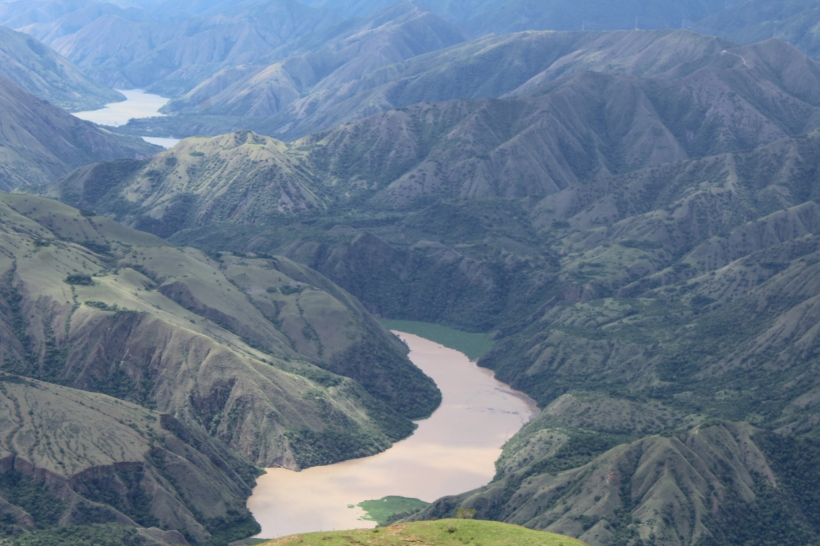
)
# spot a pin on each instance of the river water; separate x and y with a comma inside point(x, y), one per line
point(137, 104)
point(451, 452)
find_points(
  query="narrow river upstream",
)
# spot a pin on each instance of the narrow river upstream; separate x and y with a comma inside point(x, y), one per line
point(451, 452)
point(137, 104)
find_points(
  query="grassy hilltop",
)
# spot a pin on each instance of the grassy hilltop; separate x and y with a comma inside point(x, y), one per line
point(451, 532)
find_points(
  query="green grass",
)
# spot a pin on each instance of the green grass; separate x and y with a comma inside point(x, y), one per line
point(380, 510)
point(473, 345)
point(447, 532)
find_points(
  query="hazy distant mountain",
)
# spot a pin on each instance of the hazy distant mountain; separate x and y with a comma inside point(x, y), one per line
point(41, 142)
point(352, 8)
point(343, 55)
point(39, 70)
point(81, 14)
point(504, 16)
point(487, 67)
point(492, 67)
point(794, 21)
point(133, 49)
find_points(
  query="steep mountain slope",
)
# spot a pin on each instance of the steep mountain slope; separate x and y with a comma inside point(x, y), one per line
point(346, 52)
point(265, 356)
point(40, 142)
point(719, 484)
point(77, 458)
point(579, 127)
point(40, 71)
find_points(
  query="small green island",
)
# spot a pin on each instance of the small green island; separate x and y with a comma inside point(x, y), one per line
point(384, 510)
point(446, 532)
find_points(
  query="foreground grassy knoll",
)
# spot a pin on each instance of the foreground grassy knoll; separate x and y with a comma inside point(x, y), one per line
point(448, 532)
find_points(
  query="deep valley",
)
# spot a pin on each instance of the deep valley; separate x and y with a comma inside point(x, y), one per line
point(614, 207)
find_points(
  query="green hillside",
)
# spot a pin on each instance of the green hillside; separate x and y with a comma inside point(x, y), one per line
point(153, 381)
point(451, 532)
point(74, 458)
point(732, 485)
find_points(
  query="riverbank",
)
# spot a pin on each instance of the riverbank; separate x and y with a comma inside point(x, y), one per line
point(451, 452)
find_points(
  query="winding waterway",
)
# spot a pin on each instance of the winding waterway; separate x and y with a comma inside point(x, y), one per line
point(137, 104)
point(451, 452)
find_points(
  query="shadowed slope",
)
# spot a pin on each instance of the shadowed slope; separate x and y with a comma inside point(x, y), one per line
point(37, 69)
point(40, 142)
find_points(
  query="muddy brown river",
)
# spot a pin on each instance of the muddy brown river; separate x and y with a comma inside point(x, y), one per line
point(451, 452)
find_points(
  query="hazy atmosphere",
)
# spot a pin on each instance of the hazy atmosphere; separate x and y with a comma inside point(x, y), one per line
point(378, 272)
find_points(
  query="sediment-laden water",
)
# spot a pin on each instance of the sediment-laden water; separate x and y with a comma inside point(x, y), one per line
point(451, 452)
